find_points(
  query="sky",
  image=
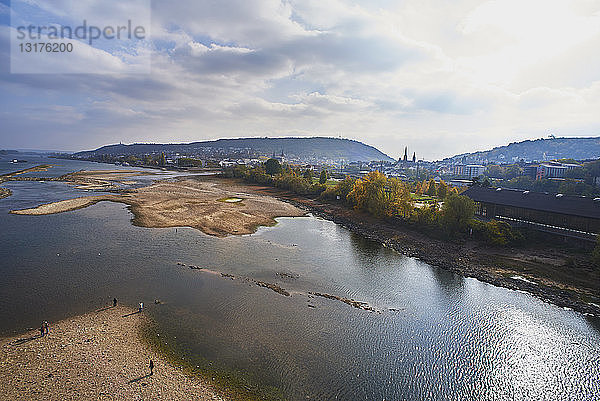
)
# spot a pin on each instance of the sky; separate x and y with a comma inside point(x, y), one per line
point(441, 77)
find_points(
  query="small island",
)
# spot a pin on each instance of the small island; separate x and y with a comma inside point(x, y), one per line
point(207, 204)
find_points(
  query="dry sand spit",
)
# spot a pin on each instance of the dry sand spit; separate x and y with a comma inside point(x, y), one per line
point(98, 356)
point(190, 202)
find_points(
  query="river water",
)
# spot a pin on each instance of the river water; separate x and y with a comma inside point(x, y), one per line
point(433, 335)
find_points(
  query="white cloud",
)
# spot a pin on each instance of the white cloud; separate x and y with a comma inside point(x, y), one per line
point(441, 77)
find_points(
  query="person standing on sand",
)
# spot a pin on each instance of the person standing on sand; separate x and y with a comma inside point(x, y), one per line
point(114, 302)
point(141, 307)
point(151, 367)
point(46, 327)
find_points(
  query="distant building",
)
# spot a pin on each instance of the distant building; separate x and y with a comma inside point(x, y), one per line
point(530, 171)
point(468, 170)
point(459, 183)
point(553, 170)
point(572, 216)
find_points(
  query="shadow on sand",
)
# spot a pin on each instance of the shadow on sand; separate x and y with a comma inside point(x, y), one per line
point(137, 379)
point(25, 340)
point(132, 313)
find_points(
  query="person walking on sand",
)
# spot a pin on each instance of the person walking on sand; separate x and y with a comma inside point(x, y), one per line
point(151, 367)
point(114, 302)
point(141, 307)
point(46, 327)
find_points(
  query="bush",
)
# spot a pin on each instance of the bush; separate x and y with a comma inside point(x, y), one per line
point(330, 193)
point(317, 189)
point(596, 253)
point(501, 233)
point(427, 217)
point(495, 232)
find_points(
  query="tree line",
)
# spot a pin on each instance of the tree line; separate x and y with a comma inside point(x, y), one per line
point(433, 207)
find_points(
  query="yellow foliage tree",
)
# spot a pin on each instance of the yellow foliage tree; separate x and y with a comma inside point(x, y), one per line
point(381, 196)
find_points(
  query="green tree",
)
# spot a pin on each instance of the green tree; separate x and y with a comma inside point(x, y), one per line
point(344, 188)
point(593, 168)
point(308, 174)
point(494, 171)
point(323, 177)
point(149, 161)
point(272, 167)
point(512, 171)
point(457, 213)
point(163, 160)
point(481, 181)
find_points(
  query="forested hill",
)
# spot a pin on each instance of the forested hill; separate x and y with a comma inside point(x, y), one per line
point(316, 148)
point(536, 150)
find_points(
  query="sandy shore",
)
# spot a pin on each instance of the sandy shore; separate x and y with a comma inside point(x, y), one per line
point(8, 176)
point(98, 180)
point(196, 202)
point(61, 206)
point(97, 356)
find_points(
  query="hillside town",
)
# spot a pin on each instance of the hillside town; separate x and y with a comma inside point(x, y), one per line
point(547, 174)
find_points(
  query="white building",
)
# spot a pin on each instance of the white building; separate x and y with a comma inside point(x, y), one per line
point(553, 170)
point(469, 170)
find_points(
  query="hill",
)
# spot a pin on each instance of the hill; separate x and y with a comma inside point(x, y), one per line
point(535, 150)
point(316, 149)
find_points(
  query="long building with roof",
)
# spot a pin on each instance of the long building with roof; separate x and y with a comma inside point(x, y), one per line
point(573, 216)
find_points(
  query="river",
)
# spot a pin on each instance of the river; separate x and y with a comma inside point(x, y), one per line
point(433, 334)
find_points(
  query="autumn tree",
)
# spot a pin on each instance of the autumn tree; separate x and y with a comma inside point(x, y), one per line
point(418, 188)
point(431, 189)
point(442, 190)
point(379, 195)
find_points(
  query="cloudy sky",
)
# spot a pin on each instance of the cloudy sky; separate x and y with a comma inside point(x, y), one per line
point(441, 77)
